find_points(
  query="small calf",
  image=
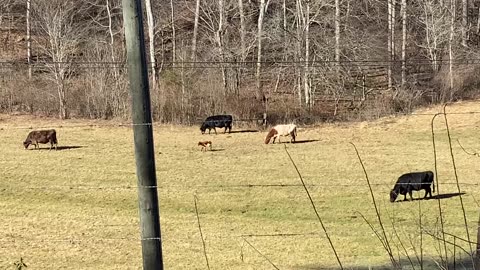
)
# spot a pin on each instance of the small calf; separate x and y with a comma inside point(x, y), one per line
point(41, 136)
point(204, 145)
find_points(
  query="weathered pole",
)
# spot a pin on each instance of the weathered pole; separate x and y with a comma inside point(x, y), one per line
point(143, 135)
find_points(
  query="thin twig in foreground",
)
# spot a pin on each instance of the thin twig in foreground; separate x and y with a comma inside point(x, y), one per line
point(315, 209)
point(468, 153)
point(458, 184)
point(195, 199)
point(265, 257)
point(438, 191)
point(385, 238)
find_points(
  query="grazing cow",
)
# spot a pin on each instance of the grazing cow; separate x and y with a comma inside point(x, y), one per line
point(41, 136)
point(217, 121)
point(413, 181)
point(282, 130)
point(204, 145)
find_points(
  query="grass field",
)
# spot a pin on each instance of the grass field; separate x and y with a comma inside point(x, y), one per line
point(76, 208)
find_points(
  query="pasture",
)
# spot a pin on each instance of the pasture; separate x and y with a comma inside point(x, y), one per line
point(76, 208)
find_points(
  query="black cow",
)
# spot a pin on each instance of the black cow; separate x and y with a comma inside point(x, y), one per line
point(413, 181)
point(41, 136)
point(217, 121)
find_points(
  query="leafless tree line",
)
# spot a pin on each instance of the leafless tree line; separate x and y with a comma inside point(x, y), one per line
point(290, 59)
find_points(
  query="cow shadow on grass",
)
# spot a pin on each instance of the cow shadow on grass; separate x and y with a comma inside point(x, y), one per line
point(299, 141)
point(244, 131)
point(305, 141)
point(216, 150)
point(437, 197)
point(59, 148)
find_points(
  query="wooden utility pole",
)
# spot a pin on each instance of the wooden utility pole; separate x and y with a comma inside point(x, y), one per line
point(143, 135)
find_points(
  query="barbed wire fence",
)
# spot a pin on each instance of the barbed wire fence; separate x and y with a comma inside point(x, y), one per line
point(344, 183)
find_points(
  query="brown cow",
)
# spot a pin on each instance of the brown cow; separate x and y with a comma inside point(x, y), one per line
point(41, 136)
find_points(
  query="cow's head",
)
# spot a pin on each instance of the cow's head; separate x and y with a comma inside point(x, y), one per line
point(393, 195)
point(203, 128)
point(26, 144)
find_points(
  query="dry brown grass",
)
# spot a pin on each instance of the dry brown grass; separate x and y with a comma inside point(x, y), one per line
point(77, 209)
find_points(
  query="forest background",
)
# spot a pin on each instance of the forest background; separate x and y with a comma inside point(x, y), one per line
point(295, 60)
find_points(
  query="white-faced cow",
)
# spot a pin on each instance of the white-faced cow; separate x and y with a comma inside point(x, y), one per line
point(413, 181)
point(41, 136)
point(217, 121)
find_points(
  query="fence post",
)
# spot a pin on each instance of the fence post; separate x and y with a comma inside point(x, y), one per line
point(143, 136)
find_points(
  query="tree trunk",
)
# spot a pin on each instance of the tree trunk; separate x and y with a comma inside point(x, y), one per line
point(298, 49)
point(259, 48)
point(404, 41)
point(306, 79)
point(391, 40)
point(112, 41)
point(450, 46)
point(285, 33)
point(29, 42)
point(63, 112)
point(243, 47)
point(337, 34)
point(464, 22)
point(195, 31)
point(151, 41)
point(219, 38)
point(172, 21)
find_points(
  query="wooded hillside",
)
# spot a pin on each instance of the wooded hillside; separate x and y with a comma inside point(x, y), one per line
point(294, 59)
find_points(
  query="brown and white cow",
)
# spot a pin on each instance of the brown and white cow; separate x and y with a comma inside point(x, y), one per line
point(281, 130)
point(41, 136)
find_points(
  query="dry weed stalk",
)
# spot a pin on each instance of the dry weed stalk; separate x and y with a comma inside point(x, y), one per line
point(315, 209)
point(384, 240)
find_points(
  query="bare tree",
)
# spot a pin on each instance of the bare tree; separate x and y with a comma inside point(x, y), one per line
point(174, 36)
point(464, 22)
point(404, 40)
point(450, 45)
point(151, 41)
point(434, 20)
point(299, 21)
point(337, 33)
point(29, 41)
point(195, 31)
point(243, 48)
point(219, 39)
point(306, 80)
point(391, 39)
point(261, 14)
point(61, 23)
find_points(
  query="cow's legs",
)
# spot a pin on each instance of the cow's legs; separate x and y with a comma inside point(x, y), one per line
point(214, 129)
point(428, 190)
